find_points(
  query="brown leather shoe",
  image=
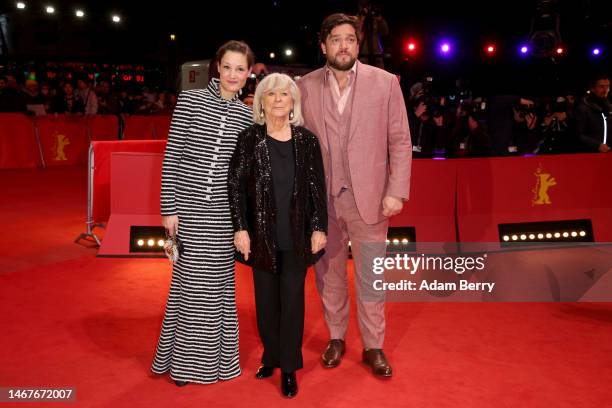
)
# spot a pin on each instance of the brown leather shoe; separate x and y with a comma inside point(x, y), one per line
point(375, 358)
point(333, 353)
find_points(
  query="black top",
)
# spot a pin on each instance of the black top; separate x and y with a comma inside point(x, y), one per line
point(282, 161)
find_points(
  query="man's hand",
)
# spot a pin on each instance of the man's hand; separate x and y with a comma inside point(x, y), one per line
point(392, 206)
point(243, 243)
point(318, 241)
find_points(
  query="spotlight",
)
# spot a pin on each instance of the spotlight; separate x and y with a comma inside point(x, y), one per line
point(140, 242)
point(490, 49)
point(515, 237)
point(565, 235)
point(523, 237)
point(172, 37)
point(50, 9)
point(557, 235)
point(79, 13)
point(524, 49)
point(574, 234)
point(445, 48)
point(596, 51)
point(116, 18)
point(147, 238)
point(506, 238)
point(151, 242)
point(160, 243)
point(410, 47)
point(396, 241)
point(272, 55)
point(549, 235)
point(560, 50)
point(540, 236)
point(582, 234)
point(531, 236)
point(388, 242)
point(288, 52)
point(405, 241)
point(21, 5)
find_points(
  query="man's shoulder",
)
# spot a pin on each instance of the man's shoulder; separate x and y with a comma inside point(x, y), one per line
point(311, 78)
point(374, 72)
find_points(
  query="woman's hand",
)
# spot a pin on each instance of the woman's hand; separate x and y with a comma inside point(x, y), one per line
point(171, 223)
point(243, 243)
point(318, 241)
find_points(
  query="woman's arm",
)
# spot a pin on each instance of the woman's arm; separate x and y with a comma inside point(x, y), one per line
point(174, 150)
point(317, 193)
point(237, 181)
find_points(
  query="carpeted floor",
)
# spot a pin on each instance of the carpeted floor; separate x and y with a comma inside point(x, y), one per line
point(69, 319)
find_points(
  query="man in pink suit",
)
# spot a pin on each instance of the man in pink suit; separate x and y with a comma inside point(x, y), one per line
point(358, 113)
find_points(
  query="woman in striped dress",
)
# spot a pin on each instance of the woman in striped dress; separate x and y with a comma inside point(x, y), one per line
point(199, 336)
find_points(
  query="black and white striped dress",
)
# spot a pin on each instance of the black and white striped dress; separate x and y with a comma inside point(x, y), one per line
point(199, 336)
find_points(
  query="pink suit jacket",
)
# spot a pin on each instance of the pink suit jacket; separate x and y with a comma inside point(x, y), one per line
point(379, 147)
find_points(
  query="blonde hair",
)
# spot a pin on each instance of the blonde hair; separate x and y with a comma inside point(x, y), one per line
point(275, 82)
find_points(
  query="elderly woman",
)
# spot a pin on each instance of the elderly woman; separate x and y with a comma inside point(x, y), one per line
point(278, 203)
point(199, 336)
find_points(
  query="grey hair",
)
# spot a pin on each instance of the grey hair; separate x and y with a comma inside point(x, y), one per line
point(274, 82)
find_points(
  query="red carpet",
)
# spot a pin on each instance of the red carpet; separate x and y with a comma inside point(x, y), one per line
point(71, 319)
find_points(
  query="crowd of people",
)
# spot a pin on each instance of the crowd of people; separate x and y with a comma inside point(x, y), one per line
point(81, 96)
point(463, 125)
point(449, 126)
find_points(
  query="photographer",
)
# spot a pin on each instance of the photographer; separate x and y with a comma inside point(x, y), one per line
point(525, 131)
point(373, 28)
point(556, 129)
point(593, 117)
point(470, 137)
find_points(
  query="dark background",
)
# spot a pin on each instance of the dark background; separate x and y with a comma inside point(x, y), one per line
point(143, 36)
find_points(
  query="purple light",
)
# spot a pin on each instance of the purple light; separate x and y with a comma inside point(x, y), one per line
point(445, 48)
point(596, 51)
point(524, 49)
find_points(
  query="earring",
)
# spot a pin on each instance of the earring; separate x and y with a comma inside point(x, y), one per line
point(291, 115)
point(261, 112)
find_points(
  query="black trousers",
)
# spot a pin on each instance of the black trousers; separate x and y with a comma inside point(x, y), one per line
point(279, 301)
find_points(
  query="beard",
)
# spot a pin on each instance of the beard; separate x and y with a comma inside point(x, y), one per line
point(336, 63)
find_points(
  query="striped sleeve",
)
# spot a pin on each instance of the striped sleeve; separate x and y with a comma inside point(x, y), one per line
point(174, 149)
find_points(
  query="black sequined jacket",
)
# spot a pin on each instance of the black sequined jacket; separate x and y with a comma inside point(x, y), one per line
point(252, 201)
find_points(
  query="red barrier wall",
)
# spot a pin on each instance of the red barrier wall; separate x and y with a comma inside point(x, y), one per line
point(18, 146)
point(101, 172)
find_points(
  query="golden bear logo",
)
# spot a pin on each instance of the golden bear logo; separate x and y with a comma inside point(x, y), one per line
point(544, 181)
point(61, 141)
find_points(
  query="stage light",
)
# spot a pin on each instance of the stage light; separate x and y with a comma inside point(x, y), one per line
point(524, 49)
point(532, 236)
point(50, 9)
point(405, 241)
point(560, 51)
point(515, 237)
point(151, 242)
point(396, 241)
point(79, 13)
point(172, 37)
point(582, 234)
point(410, 47)
point(506, 238)
point(557, 235)
point(540, 236)
point(549, 235)
point(160, 243)
point(288, 52)
point(445, 48)
point(490, 49)
point(21, 5)
point(596, 51)
point(116, 18)
point(523, 237)
point(574, 234)
point(272, 55)
point(140, 242)
point(388, 242)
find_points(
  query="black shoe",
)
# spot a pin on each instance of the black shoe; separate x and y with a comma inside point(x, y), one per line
point(264, 372)
point(180, 383)
point(289, 385)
